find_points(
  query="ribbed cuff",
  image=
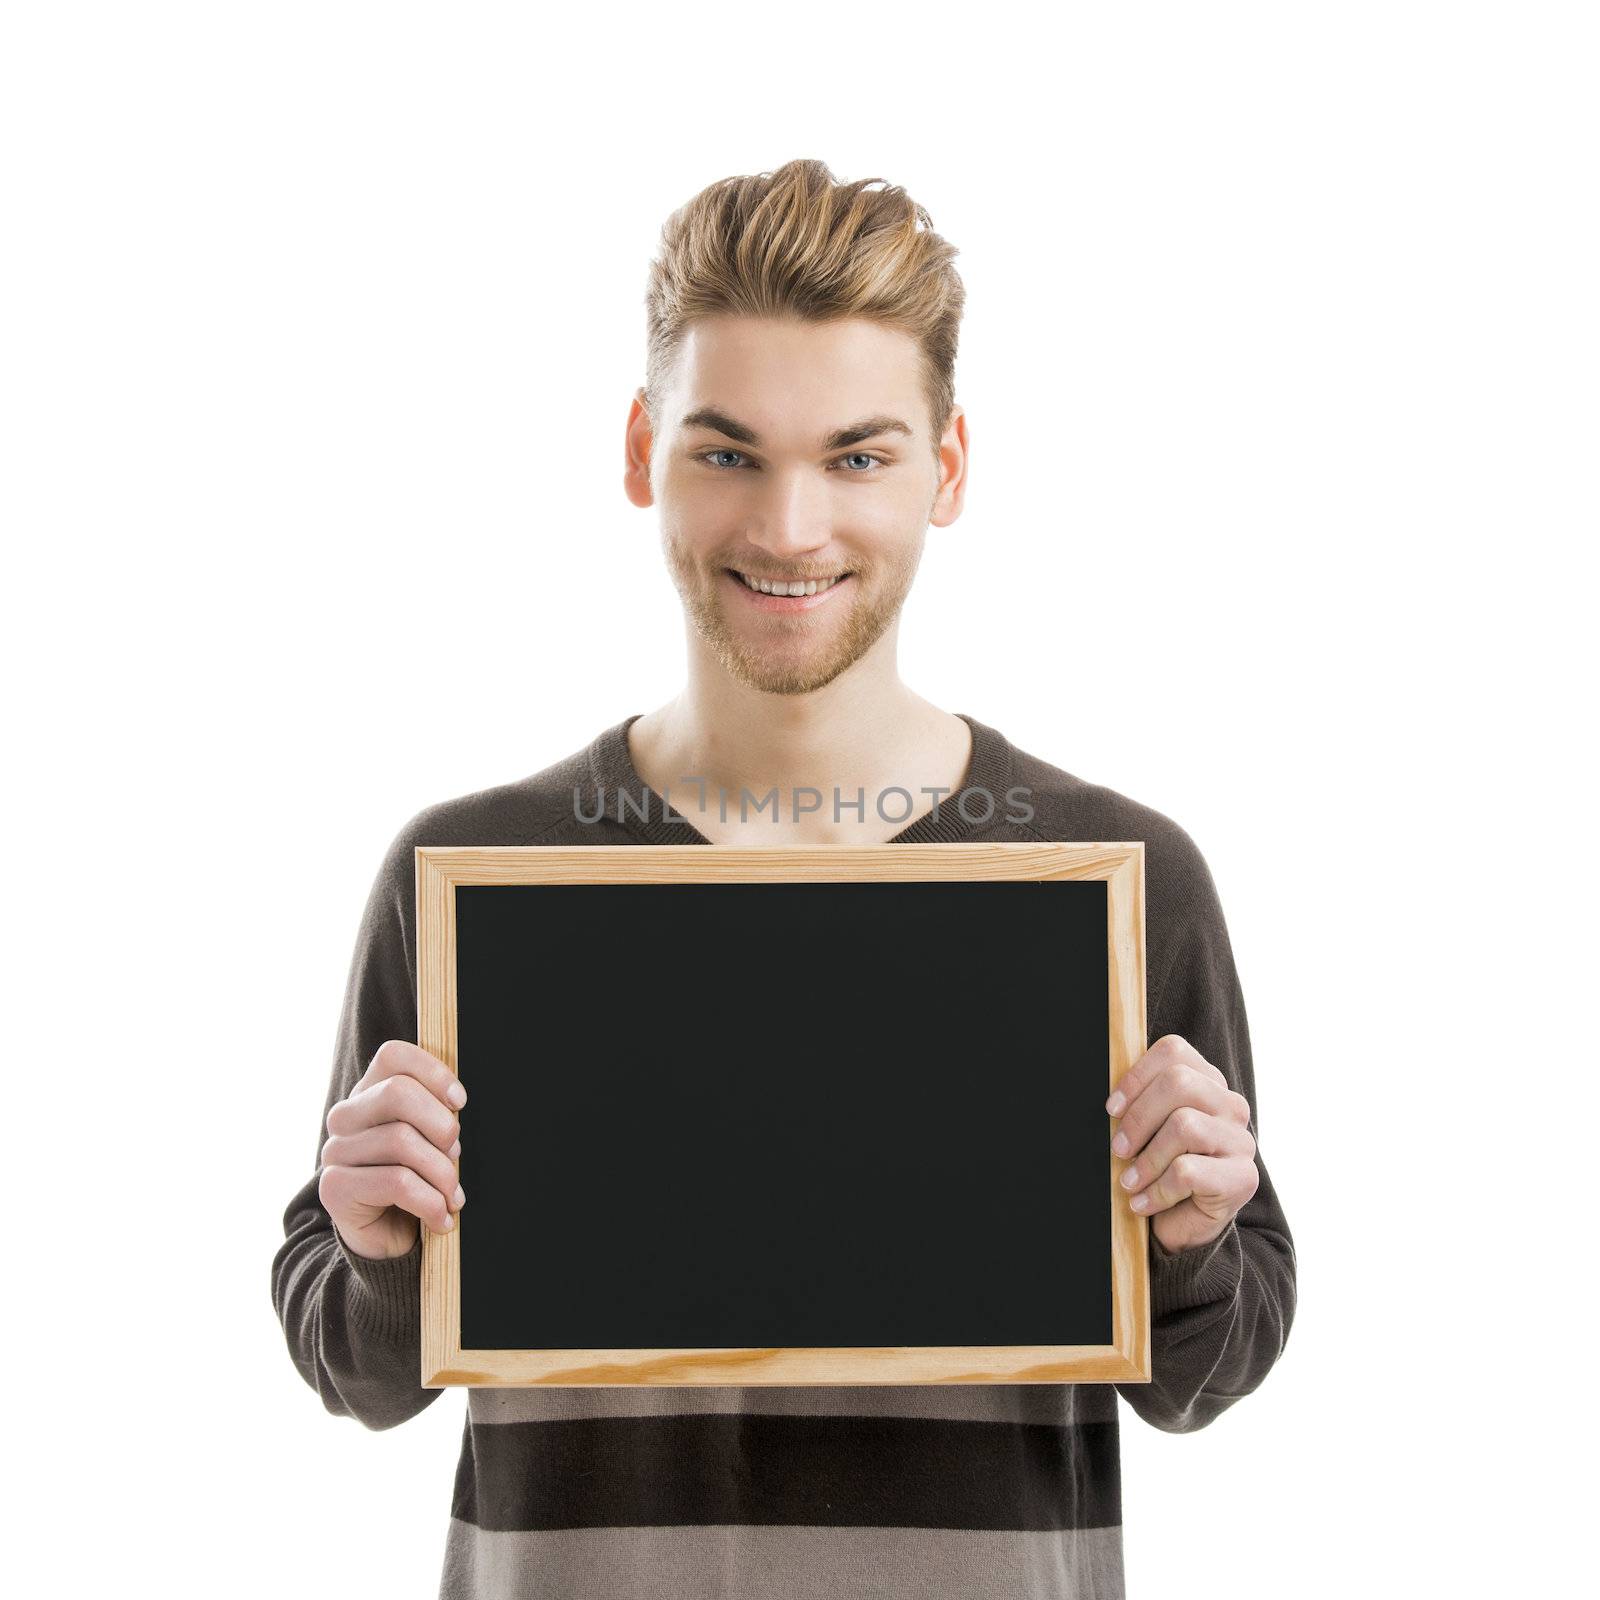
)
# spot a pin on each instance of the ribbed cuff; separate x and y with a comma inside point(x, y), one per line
point(385, 1296)
point(1204, 1276)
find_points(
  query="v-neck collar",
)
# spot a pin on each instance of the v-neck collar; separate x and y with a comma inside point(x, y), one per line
point(630, 800)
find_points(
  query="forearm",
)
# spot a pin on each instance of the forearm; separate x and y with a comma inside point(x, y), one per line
point(1220, 1317)
point(353, 1326)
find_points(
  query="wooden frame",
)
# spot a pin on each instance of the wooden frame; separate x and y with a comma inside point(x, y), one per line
point(1121, 866)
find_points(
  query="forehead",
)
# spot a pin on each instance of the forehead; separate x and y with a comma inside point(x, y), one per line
point(793, 377)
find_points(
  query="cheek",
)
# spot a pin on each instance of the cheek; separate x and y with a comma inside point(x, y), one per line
point(698, 511)
point(897, 513)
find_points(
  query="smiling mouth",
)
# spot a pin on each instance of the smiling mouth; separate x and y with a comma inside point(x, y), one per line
point(788, 587)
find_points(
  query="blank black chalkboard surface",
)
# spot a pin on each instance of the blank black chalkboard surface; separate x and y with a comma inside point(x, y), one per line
point(787, 1115)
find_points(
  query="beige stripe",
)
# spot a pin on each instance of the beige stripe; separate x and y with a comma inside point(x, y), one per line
point(1052, 1403)
point(782, 1563)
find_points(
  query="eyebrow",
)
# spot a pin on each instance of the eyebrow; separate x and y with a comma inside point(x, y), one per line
point(839, 439)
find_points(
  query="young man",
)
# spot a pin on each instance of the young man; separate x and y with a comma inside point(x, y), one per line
point(797, 434)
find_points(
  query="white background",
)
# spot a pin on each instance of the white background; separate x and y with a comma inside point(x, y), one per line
point(320, 324)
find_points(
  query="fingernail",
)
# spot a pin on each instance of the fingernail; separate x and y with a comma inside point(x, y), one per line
point(1120, 1144)
point(1139, 1202)
point(455, 1094)
point(1115, 1104)
point(1130, 1178)
point(461, 1197)
point(449, 1223)
point(455, 1151)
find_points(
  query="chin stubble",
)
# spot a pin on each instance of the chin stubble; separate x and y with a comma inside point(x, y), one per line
point(865, 624)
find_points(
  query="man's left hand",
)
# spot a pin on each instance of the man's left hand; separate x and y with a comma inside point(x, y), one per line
point(1188, 1137)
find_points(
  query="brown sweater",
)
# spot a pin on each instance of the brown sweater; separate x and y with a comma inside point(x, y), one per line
point(792, 1493)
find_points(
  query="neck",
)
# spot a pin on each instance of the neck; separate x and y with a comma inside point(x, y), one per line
point(864, 731)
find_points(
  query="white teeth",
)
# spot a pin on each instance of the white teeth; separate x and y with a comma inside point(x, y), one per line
point(766, 586)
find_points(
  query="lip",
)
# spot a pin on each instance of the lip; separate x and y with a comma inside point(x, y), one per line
point(788, 602)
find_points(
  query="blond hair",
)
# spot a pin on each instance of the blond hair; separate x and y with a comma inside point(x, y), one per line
point(797, 242)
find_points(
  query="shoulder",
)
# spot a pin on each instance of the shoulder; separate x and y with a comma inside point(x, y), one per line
point(537, 809)
point(1179, 888)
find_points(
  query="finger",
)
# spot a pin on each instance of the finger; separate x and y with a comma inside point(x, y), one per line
point(343, 1189)
point(396, 1099)
point(1167, 1050)
point(1179, 1083)
point(1182, 1227)
point(395, 1056)
point(1132, 1083)
point(394, 1144)
point(1218, 1185)
point(1189, 1131)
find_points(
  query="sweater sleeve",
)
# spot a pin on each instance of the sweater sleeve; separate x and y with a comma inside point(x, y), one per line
point(1220, 1312)
point(354, 1325)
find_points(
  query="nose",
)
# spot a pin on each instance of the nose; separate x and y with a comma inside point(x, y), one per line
point(789, 520)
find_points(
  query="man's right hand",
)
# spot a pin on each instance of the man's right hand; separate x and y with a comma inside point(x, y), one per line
point(391, 1154)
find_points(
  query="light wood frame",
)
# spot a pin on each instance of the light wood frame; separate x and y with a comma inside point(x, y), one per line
point(1126, 1359)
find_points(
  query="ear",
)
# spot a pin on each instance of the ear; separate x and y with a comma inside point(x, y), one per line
point(953, 454)
point(638, 443)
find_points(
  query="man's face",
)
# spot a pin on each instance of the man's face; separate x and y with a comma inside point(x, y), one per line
point(778, 457)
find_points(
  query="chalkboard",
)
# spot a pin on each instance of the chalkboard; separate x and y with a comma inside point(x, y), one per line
point(785, 1115)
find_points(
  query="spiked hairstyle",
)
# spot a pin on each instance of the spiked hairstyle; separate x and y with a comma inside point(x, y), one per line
point(797, 242)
